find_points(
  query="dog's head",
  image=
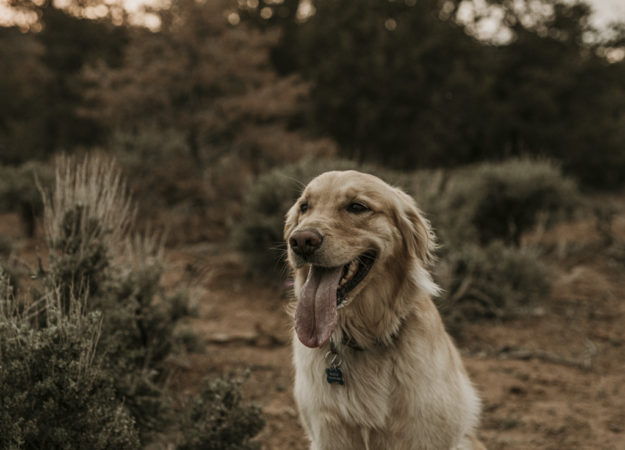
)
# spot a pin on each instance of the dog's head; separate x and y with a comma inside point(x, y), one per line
point(350, 233)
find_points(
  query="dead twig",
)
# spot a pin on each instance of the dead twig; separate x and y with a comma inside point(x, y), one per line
point(462, 289)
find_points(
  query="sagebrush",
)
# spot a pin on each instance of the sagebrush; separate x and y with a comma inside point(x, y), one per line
point(503, 201)
point(88, 344)
point(495, 281)
point(54, 392)
point(218, 420)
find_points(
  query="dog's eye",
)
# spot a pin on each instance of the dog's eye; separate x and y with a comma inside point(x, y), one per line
point(356, 208)
point(303, 207)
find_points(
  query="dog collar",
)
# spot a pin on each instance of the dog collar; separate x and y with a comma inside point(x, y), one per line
point(350, 342)
point(334, 373)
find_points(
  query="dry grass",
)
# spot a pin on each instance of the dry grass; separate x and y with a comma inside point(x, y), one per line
point(94, 188)
point(145, 250)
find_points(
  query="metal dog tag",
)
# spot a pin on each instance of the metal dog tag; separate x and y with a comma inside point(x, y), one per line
point(334, 375)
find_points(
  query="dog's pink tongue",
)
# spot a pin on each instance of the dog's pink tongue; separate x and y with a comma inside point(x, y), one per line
point(315, 317)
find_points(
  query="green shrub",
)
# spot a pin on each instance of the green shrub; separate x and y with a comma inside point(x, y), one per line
point(87, 219)
point(259, 232)
point(427, 187)
point(501, 201)
point(480, 214)
point(216, 419)
point(53, 391)
point(495, 281)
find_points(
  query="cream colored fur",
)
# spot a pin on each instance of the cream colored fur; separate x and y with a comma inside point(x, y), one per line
point(407, 388)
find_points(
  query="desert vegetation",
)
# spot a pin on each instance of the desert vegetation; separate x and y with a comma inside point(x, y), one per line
point(85, 347)
point(147, 161)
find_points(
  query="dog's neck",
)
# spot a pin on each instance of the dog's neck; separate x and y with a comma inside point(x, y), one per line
point(375, 318)
point(342, 339)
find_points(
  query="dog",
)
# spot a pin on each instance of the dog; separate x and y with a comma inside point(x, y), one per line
point(374, 367)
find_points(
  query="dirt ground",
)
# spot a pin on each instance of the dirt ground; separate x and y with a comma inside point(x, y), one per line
point(552, 379)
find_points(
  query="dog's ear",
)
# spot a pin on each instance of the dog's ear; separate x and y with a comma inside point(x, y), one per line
point(415, 229)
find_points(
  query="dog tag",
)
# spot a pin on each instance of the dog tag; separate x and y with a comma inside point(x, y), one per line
point(334, 375)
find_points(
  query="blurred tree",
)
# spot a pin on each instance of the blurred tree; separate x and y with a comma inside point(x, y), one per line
point(405, 83)
point(393, 81)
point(21, 81)
point(276, 14)
point(209, 80)
point(43, 108)
point(557, 95)
point(196, 110)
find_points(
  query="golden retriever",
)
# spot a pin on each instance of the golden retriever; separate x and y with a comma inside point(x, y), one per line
point(374, 367)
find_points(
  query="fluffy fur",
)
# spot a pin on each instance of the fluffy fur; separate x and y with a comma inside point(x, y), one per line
point(405, 384)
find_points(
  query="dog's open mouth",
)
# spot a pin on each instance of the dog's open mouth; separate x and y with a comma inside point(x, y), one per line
point(353, 273)
point(324, 291)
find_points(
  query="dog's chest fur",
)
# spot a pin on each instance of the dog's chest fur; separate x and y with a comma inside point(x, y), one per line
point(408, 405)
point(362, 400)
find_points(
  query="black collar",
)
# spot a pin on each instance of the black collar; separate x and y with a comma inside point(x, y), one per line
point(350, 342)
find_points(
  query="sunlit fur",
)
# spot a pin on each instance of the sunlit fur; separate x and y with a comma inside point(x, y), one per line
point(406, 387)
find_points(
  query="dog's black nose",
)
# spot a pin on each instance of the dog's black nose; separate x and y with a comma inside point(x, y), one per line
point(305, 242)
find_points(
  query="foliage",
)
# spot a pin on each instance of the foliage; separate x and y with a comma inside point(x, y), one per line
point(170, 186)
point(477, 204)
point(53, 392)
point(402, 83)
point(87, 215)
point(503, 201)
point(42, 90)
point(406, 84)
point(21, 120)
point(19, 193)
point(568, 113)
point(216, 419)
point(87, 221)
point(480, 214)
point(495, 281)
point(196, 111)
point(171, 85)
point(390, 78)
point(94, 334)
